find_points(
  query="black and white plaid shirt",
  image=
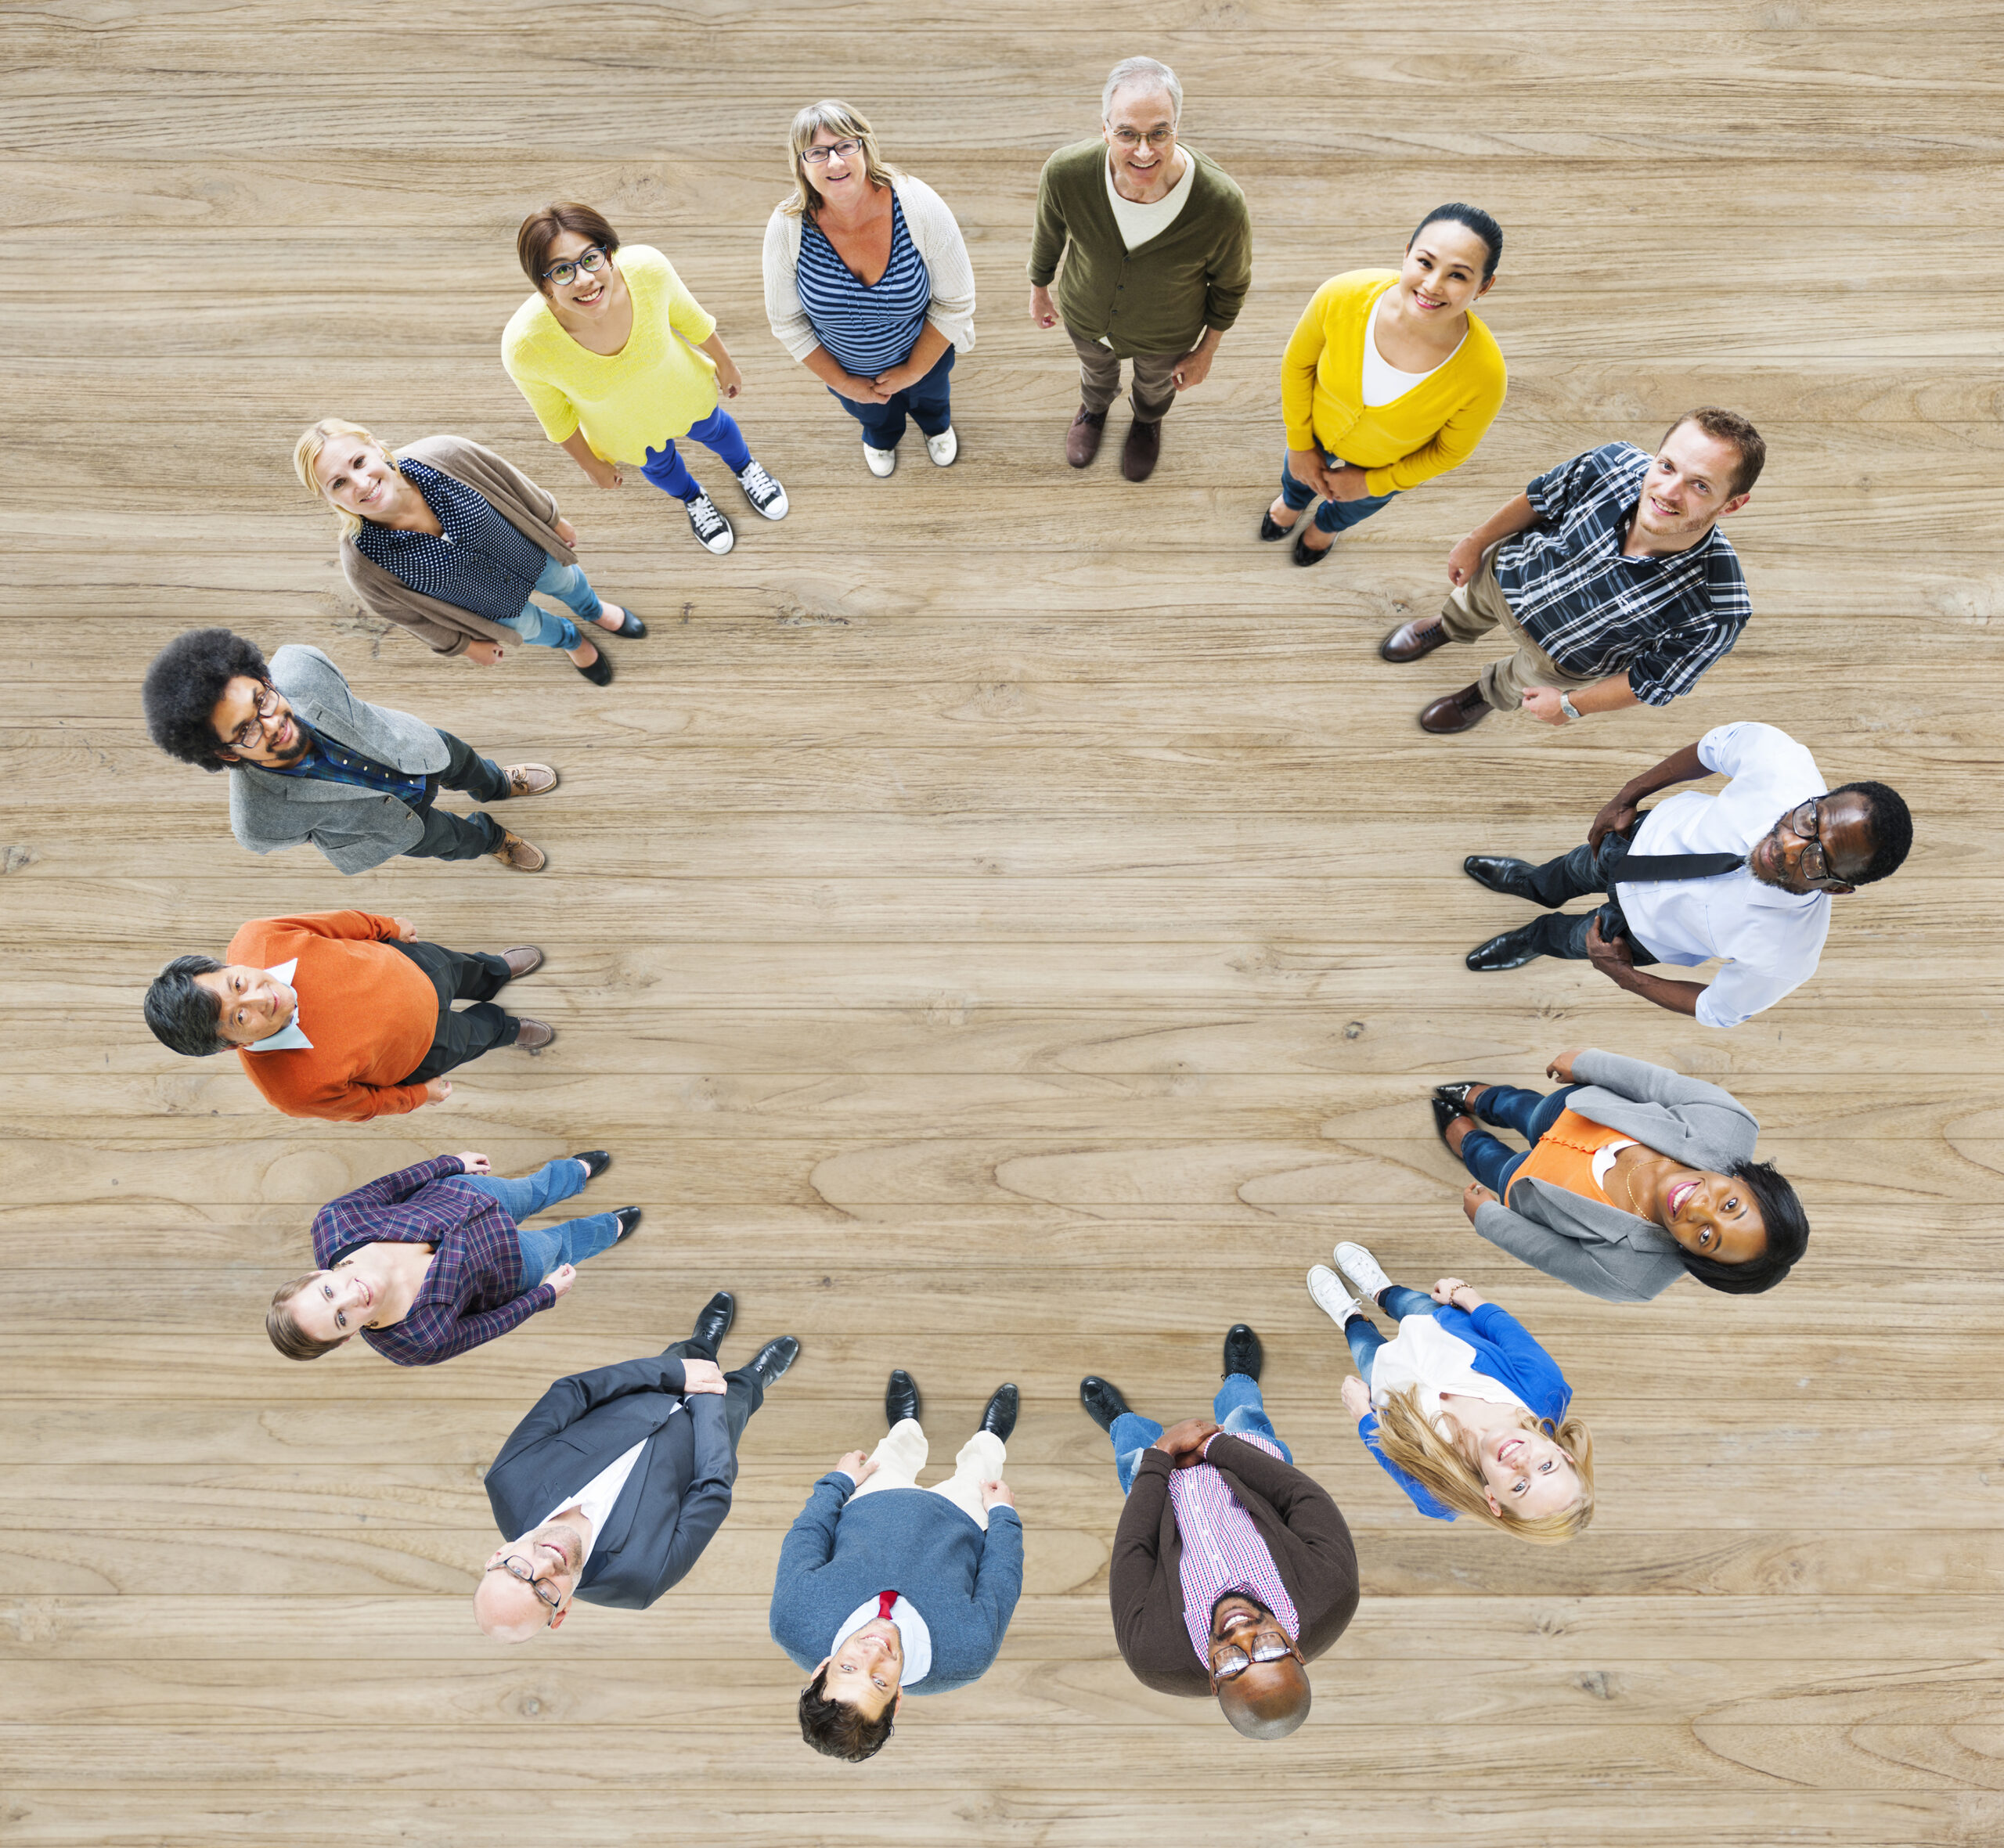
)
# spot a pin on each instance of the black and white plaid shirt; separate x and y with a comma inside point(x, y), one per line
point(1664, 619)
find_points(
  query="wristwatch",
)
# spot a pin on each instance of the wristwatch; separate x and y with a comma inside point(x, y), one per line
point(1565, 705)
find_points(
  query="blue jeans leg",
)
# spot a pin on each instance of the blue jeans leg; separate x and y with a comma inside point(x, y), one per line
point(1529, 1113)
point(1333, 517)
point(546, 1247)
point(1400, 1301)
point(520, 1199)
point(1132, 1434)
point(718, 432)
point(542, 628)
point(1239, 1409)
point(929, 404)
point(666, 468)
point(1492, 1162)
point(569, 584)
point(1364, 1340)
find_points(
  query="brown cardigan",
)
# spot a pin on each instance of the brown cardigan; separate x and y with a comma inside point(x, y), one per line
point(444, 628)
point(1302, 1528)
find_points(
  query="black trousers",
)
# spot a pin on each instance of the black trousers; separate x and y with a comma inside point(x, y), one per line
point(743, 1395)
point(462, 1034)
point(1577, 875)
point(449, 837)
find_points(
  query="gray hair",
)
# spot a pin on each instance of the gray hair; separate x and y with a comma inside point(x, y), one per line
point(1141, 71)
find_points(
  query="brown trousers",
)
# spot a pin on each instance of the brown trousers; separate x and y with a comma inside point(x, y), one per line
point(1099, 379)
point(1479, 606)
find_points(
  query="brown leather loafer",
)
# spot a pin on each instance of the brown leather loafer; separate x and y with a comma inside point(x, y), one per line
point(534, 1034)
point(519, 855)
point(1410, 640)
point(1140, 453)
point(530, 780)
point(1455, 712)
point(1082, 440)
point(522, 961)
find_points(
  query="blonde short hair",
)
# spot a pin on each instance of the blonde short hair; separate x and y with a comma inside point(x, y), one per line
point(845, 123)
point(306, 461)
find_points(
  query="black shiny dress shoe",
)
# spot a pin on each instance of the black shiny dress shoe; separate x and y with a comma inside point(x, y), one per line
point(714, 1323)
point(1511, 877)
point(1242, 1352)
point(600, 671)
point(628, 1217)
point(1445, 1113)
point(1459, 1094)
point(773, 1359)
point(596, 1160)
point(1102, 1400)
point(629, 624)
point(900, 1397)
point(1511, 950)
point(1304, 553)
point(1270, 529)
point(1004, 1403)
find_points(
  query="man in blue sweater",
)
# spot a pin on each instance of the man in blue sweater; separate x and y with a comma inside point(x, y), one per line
point(884, 1586)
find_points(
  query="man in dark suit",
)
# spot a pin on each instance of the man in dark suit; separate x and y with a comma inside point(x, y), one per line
point(1232, 1570)
point(616, 1479)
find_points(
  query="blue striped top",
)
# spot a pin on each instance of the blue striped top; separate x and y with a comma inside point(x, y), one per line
point(868, 327)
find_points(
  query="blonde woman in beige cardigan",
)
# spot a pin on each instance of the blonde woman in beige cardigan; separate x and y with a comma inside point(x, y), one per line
point(449, 540)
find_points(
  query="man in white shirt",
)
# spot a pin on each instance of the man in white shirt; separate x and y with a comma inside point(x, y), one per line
point(1746, 876)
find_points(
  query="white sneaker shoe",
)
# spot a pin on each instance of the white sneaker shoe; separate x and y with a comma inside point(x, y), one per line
point(943, 448)
point(766, 495)
point(881, 461)
point(709, 526)
point(1331, 1297)
point(1362, 1270)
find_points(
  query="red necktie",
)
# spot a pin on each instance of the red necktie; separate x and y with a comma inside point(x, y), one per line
point(885, 1600)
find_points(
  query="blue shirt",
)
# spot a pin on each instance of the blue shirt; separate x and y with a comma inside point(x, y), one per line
point(479, 563)
point(867, 327)
point(335, 763)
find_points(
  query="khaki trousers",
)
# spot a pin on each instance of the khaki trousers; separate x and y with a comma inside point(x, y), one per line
point(902, 1455)
point(1099, 379)
point(1474, 609)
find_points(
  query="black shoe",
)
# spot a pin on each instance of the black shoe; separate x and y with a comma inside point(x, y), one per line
point(1242, 1352)
point(900, 1397)
point(1102, 1400)
point(1445, 1113)
point(1004, 1403)
point(714, 1323)
point(629, 624)
point(1304, 553)
point(1511, 950)
point(600, 671)
point(1511, 877)
point(773, 1360)
point(629, 1217)
point(596, 1160)
point(1459, 1094)
point(1269, 529)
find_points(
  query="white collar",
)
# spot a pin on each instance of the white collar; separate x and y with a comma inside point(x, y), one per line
point(912, 1633)
point(288, 1038)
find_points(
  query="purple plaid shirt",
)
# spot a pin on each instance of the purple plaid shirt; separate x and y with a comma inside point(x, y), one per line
point(1221, 1549)
point(468, 1295)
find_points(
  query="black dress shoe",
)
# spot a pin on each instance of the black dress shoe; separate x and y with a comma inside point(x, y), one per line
point(629, 624)
point(1270, 529)
point(628, 1217)
point(1000, 1416)
point(596, 1160)
point(1511, 950)
point(900, 1397)
point(1242, 1352)
point(1445, 1113)
point(1102, 1400)
point(1305, 554)
point(773, 1359)
point(1459, 1093)
point(1500, 874)
point(714, 1323)
point(600, 671)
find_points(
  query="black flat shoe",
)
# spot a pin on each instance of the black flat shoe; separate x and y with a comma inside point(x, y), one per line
point(1303, 555)
point(600, 672)
point(1446, 1114)
point(1511, 950)
point(773, 1359)
point(1004, 1403)
point(629, 624)
point(900, 1397)
point(1511, 877)
point(1102, 1400)
point(628, 1217)
point(596, 1160)
point(714, 1324)
point(1242, 1352)
point(1269, 530)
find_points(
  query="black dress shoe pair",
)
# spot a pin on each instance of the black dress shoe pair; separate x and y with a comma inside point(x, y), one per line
point(901, 1402)
point(714, 1324)
point(1104, 1403)
point(1513, 878)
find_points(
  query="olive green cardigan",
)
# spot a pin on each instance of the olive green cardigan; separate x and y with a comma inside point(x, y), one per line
point(1158, 298)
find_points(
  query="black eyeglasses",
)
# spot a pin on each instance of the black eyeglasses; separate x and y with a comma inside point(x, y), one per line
point(818, 156)
point(252, 729)
point(517, 1568)
point(565, 273)
point(1805, 823)
point(1232, 1661)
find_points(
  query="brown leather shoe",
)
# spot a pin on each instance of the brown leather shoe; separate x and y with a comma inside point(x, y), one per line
point(530, 780)
point(1456, 711)
point(1138, 454)
point(535, 1035)
point(522, 961)
point(519, 855)
point(1082, 440)
point(1410, 640)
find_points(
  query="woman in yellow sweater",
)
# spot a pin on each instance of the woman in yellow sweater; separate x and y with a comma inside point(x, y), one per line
point(1389, 380)
point(619, 361)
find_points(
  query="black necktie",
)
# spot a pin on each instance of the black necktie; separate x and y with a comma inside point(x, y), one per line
point(1639, 867)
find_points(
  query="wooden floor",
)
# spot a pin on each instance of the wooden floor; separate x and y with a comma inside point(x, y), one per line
point(1006, 922)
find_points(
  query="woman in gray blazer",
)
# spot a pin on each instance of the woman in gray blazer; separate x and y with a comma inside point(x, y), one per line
point(1635, 1176)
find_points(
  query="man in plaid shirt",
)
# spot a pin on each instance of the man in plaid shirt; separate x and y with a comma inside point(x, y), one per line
point(1610, 574)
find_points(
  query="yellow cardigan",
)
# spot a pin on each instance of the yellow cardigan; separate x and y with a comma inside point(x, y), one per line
point(1433, 428)
point(652, 390)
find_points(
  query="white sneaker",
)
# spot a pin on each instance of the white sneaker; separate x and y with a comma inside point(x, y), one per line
point(766, 495)
point(1331, 1298)
point(943, 448)
point(710, 526)
point(881, 461)
point(1362, 1270)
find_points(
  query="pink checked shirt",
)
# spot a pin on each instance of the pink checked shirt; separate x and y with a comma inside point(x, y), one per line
point(1221, 1549)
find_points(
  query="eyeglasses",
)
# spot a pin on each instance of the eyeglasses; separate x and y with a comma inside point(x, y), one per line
point(516, 1568)
point(818, 157)
point(1232, 1661)
point(1155, 137)
point(252, 729)
point(564, 274)
point(1805, 823)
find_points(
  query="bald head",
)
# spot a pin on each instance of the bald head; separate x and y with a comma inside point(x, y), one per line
point(507, 1610)
point(1268, 1701)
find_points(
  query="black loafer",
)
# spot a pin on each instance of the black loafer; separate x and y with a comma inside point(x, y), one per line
point(1511, 950)
point(1303, 555)
point(1242, 1352)
point(900, 1397)
point(1102, 1401)
point(1269, 530)
point(629, 624)
point(714, 1324)
point(773, 1359)
point(1511, 877)
point(628, 1217)
point(1004, 1403)
point(596, 1160)
point(600, 672)
point(1445, 1113)
point(1459, 1094)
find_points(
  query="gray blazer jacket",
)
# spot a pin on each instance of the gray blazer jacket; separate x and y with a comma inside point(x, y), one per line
point(356, 829)
point(1599, 1249)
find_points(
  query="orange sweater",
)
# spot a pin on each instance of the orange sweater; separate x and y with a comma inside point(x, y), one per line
point(1564, 1156)
point(370, 1011)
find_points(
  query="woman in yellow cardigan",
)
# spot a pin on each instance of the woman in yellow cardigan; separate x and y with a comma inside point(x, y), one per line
point(1389, 380)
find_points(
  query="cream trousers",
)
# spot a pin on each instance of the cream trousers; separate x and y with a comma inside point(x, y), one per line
point(902, 1455)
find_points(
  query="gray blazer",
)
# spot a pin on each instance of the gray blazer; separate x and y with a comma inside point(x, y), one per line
point(356, 829)
point(1599, 1249)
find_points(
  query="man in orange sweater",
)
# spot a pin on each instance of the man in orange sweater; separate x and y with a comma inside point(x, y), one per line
point(343, 1014)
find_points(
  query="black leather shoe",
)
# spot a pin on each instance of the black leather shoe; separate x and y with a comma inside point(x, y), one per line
point(1242, 1352)
point(1511, 877)
point(628, 1217)
point(773, 1359)
point(1511, 950)
point(1445, 1113)
point(1102, 1401)
point(1305, 554)
point(1270, 529)
point(629, 624)
point(600, 671)
point(900, 1397)
point(714, 1323)
point(1000, 1416)
point(596, 1160)
point(1459, 1094)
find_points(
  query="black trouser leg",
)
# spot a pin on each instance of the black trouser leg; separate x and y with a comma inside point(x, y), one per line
point(464, 1033)
point(456, 836)
point(480, 777)
point(743, 1395)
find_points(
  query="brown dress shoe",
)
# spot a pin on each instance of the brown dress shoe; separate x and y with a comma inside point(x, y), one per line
point(1456, 711)
point(530, 780)
point(1082, 440)
point(1410, 640)
point(1144, 446)
point(519, 855)
point(533, 1036)
point(522, 961)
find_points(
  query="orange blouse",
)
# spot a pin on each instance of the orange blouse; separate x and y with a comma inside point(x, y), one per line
point(1564, 1156)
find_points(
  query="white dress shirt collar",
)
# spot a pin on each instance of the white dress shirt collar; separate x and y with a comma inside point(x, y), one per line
point(288, 1037)
point(912, 1634)
point(595, 1501)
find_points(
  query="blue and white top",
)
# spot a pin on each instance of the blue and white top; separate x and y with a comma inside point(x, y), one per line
point(480, 563)
point(867, 327)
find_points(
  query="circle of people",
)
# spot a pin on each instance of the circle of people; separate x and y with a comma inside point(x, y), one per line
point(1613, 583)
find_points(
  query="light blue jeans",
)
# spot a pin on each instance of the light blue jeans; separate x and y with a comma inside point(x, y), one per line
point(546, 1247)
point(544, 628)
point(1237, 1409)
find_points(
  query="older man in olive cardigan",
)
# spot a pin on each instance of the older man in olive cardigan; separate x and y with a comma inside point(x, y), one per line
point(1158, 252)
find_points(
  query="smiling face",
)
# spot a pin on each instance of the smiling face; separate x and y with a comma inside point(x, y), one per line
point(589, 296)
point(1710, 1215)
point(866, 1671)
point(254, 724)
point(357, 475)
point(1442, 274)
point(844, 178)
point(255, 1004)
point(506, 1605)
point(333, 1304)
point(1841, 826)
point(1688, 488)
point(1525, 1474)
point(1140, 130)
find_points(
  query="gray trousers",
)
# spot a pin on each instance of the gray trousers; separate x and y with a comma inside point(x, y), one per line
point(1099, 379)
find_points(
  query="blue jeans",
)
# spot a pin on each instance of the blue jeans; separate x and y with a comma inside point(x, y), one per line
point(718, 432)
point(1362, 1336)
point(928, 403)
point(1237, 1409)
point(546, 1247)
point(1332, 517)
point(544, 628)
point(1493, 1162)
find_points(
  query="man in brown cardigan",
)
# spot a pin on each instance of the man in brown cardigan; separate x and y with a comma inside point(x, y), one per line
point(1232, 1570)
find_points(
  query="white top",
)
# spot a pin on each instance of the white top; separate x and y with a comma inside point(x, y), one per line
point(912, 1634)
point(1383, 382)
point(594, 1501)
point(932, 229)
point(1769, 939)
point(1138, 223)
point(1426, 1355)
point(1604, 1159)
point(290, 1034)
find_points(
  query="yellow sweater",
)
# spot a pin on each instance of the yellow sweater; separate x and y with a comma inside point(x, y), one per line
point(652, 390)
point(1433, 428)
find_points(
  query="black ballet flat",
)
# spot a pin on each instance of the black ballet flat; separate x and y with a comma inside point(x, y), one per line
point(1269, 531)
point(600, 672)
point(1303, 555)
point(629, 624)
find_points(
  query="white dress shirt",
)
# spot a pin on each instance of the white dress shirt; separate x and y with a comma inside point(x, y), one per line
point(1769, 939)
point(289, 1035)
point(594, 1501)
point(916, 1639)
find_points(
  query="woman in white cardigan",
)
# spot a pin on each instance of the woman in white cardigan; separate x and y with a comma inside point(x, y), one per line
point(868, 285)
